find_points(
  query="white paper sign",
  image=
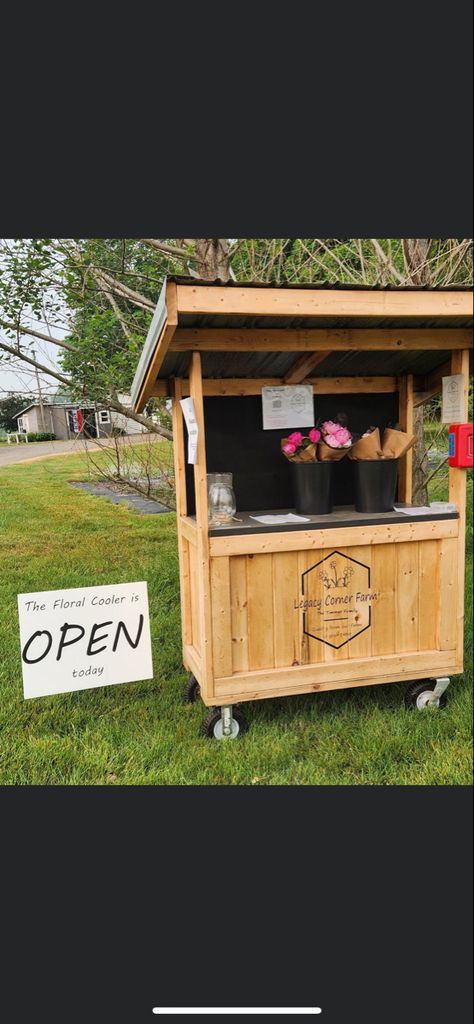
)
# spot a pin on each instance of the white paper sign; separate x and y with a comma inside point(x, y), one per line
point(452, 410)
point(413, 510)
point(86, 637)
point(277, 520)
point(189, 414)
point(288, 406)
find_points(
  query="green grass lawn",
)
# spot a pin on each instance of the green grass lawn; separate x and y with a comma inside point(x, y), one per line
point(53, 536)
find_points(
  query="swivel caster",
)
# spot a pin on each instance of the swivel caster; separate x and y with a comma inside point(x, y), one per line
point(192, 691)
point(225, 723)
point(427, 693)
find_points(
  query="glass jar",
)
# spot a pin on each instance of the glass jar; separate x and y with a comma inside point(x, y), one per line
point(221, 498)
point(217, 478)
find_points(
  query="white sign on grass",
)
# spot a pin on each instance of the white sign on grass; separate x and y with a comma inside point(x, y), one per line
point(86, 637)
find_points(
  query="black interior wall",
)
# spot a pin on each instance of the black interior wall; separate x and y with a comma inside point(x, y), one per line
point(236, 443)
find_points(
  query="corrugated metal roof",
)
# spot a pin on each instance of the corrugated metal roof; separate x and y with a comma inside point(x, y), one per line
point(276, 364)
point(300, 323)
point(220, 365)
point(331, 286)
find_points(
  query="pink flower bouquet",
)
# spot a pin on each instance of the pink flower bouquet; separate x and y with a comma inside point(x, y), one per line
point(301, 447)
point(336, 441)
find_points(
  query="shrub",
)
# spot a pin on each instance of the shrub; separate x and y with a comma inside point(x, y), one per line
point(41, 436)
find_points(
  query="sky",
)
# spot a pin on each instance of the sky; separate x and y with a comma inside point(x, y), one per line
point(20, 377)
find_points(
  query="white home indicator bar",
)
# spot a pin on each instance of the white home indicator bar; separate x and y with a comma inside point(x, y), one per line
point(183, 1010)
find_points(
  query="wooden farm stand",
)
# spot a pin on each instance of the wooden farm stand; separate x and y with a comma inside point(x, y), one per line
point(251, 624)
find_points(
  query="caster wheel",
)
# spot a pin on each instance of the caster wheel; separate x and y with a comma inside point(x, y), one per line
point(192, 691)
point(212, 725)
point(419, 693)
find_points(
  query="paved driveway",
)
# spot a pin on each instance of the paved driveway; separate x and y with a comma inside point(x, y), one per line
point(12, 453)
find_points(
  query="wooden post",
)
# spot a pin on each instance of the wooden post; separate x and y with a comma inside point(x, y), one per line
point(457, 494)
point(181, 510)
point(405, 415)
point(203, 569)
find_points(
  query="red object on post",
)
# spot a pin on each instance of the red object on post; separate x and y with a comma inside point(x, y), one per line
point(460, 445)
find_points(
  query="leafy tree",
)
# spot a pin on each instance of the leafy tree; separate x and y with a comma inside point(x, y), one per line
point(9, 406)
point(105, 290)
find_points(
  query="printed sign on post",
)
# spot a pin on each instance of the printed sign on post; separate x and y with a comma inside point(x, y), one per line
point(287, 406)
point(189, 414)
point(452, 406)
point(86, 637)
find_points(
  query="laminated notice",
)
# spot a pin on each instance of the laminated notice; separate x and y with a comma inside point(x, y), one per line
point(287, 406)
point(452, 405)
point(189, 414)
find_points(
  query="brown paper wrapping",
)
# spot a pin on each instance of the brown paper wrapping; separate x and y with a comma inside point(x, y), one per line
point(395, 443)
point(369, 447)
point(328, 454)
point(306, 455)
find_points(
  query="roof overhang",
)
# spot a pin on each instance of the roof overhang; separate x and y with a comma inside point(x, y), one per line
point(263, 321)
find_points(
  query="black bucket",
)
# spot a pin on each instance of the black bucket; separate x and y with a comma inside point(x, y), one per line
point(375, 484)
point(312, 487)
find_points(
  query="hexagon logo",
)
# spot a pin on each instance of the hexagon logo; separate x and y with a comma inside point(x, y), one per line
point(336, 599)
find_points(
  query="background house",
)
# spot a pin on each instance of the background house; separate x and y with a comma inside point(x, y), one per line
point(66, 419)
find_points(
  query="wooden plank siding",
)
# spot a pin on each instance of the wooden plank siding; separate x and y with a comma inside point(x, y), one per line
point(383, 611)
point(339, 675)
point(239, 618)
point(260, 619)
point(194, 599)
point(406, 603)
point(257, 618)
point(302, 540)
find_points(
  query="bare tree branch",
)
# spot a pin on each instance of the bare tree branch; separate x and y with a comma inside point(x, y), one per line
point(110, 403)
point(173, 250)
point(388, 264)
point(116, 286)
point(34, 362)
point(236, 246)
point(115, 308)
point(37, 334)
point(128, 293)
point(344, 267)
point(427, 479)
point(114, 403)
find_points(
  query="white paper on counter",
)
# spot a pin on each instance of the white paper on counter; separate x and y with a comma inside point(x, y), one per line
point(452, 403)
point(287, 406)
point(278, 520)
point(443, 506)
point(187, 406)
point(414, 510)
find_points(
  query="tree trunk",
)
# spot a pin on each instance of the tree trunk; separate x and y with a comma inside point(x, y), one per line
point(416, 254)
point(420, 491)
point(214, 256)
